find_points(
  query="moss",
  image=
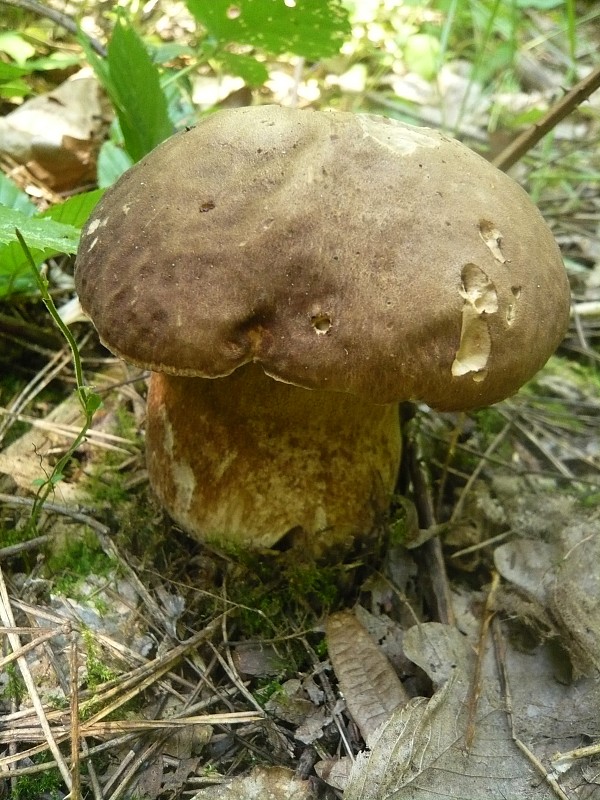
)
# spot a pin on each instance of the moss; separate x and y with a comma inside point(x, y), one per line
point(14, 688)
point(97, 672)
point(68, 565)
point(43, 784)
point(277, 596)
point(268, 690)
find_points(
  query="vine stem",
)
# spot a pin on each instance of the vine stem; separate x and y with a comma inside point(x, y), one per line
point(64, 20)
point(89, 400)
point(530, 137)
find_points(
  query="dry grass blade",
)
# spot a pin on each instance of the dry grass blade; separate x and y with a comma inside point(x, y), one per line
point(7, 619)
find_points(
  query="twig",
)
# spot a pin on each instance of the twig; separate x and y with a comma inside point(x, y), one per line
point(492, 447)
point(64, 20)
point(500, 649)
point(432, 549)
point(529, 138)
point(477, 680)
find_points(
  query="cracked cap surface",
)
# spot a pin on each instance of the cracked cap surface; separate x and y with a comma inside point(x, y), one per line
point(340, 251)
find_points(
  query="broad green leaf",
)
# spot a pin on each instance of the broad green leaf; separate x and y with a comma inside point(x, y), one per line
point(75, 210)
point(43, 233)
point(9, 72)
point(248, 68)
point(14, 89)
point(15, 272)
point(163, 53)
point(310, 28)
point(13, 197)
point(136, 92)
point(113, 161)
point(57, 60)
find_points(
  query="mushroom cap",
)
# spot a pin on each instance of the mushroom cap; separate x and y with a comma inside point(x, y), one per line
point(339, 251)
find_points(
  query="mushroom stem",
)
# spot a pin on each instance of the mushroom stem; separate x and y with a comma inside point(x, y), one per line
point(245, 459)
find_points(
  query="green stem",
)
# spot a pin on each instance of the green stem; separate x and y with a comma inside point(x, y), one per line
point(89, 400)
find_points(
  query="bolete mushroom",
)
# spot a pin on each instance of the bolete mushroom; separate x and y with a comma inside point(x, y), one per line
point(288, 277)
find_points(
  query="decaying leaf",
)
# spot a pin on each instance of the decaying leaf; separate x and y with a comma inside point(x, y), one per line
point(57, 134)
point(367, 680)
point(298, 704)
point(419, 753)
point(263, 783)
point(29, 458)
point(561, 575)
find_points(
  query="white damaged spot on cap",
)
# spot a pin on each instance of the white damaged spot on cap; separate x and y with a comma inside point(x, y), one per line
point(398, 138)
point(95, 224)
point(480, 300)
point(492, 239)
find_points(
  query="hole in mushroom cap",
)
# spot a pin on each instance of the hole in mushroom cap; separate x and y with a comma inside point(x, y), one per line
point(511, 311)
point(492, 238)
point(321, 323)
point(206, 206)
point(478, 290)
point(480, 299)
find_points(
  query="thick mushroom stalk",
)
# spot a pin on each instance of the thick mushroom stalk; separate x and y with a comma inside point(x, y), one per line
point(247, 459)
point(284, 272)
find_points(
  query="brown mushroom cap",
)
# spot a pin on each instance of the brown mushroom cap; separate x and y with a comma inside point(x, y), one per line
point(338, 251)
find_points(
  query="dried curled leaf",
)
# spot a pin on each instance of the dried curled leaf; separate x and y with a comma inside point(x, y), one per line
point(559, 575)
point(367, 680)
point(263, 783)
point(420, 754)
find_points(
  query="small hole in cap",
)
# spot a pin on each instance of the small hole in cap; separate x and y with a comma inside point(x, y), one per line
point(321, 323)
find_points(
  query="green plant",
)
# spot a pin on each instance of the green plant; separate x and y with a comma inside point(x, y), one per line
point(89, 400)
point(47, 233)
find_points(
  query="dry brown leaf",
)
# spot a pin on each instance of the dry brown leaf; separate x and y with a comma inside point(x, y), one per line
point(263, 783)
point(57, 133)
point(367, 680)
point(30, 457)
point(562, 575)
point(419, 753)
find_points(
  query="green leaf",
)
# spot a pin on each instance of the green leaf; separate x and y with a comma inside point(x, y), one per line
point(38, 232)
point(310, 28)
point(248, 68)
point(136, 92)
point(16, 46)
point(14, 89)
point(163, 53)
point(13, 197)
point(75, 210)
point(57, 60)
point(9, 72)
point(113, 161)
point(15, 271)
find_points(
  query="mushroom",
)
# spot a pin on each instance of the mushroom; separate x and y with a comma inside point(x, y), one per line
point(288, 277)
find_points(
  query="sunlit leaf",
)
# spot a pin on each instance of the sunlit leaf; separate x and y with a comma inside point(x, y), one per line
point(38, 232)
point(304, 27)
